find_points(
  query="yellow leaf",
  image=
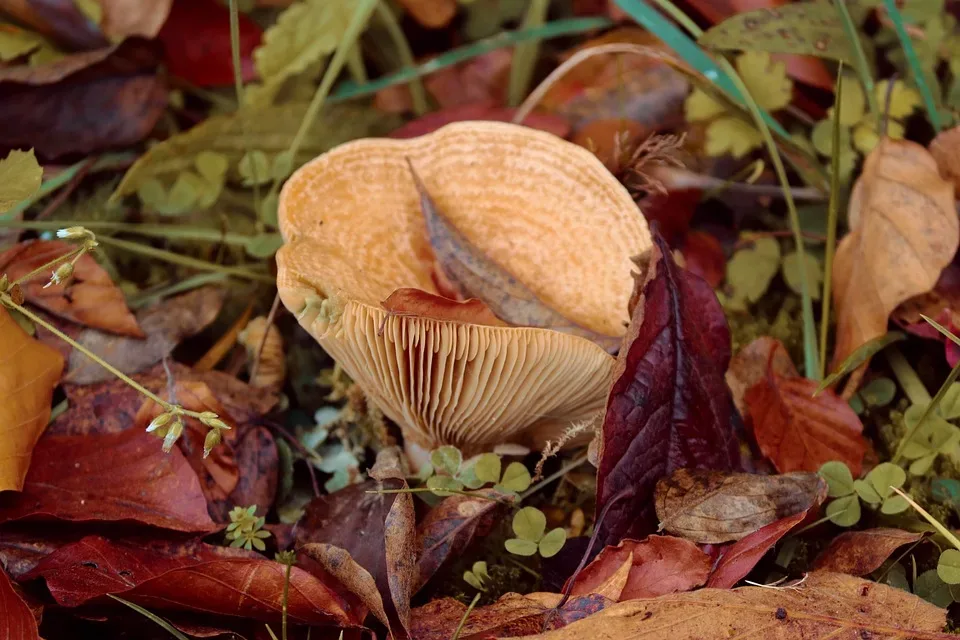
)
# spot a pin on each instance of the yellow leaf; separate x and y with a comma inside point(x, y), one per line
point(822, 137)
point(731, 135)
point(29, 372)
point(866, 134)
point(20, 177)
point(853, 104)
point(903, 99)
point(767, 80)
point(700, 105)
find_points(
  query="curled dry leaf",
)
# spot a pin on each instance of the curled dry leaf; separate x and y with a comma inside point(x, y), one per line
point(743, 556)
point(414, 302)
point(712, 507)
point(84, 102)
point(16, 619)
point(70, 478)
point(264, 345)
point(358, 581)
point(511, 616)
point(197, 577)
point(659, 565)
point(669, 407)
point(89, 297)
point(750, 366)
point(165, 325)
point(798, 431)
point(824, 605)
point(861, 552)
point(29, 372)
point(945, 149)
point(904, 231)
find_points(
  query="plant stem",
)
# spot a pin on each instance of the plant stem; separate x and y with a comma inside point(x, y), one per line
point(417, 93)
point(525, 55)
point(151, 616)
point(863, 69)
point(831, 230)
point(907, 377)
point(564, 470)
point(144, 298)
point(238, 86)
point(429, 490)
point(184, 261)
point(167, 231)
point(355, 65)
point(49, 265)
point(463, 620)
point(286, 594)
point(931, 407)
point(946, 533)
point(910, 53)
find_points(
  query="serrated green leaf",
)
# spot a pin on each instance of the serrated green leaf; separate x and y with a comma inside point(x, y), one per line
point(845, 511)
point(732, 135)
point(933, 589)
point(516, 478)
point(447, 459)
point(529, 523)
point(271, 130)
point(701, 106)
point(791, 272)
point(853, 104)
point(867, 492)
point(766, 79)
point(264, 245)
point(20, 177)
point(822, 137)
point(551, 543)
point(903, 99)
point(879, 392)
point(750, 270)
point(866, 134)
point(488, 467)
point(886, 475)
point(838, 478)
point(861, 355)
point(521, 547)
point(948, 567)
point(807, 28)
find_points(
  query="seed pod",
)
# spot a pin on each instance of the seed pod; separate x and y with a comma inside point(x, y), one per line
point(158, 422)
point(4, 283)
point(211, 441)
point(61, 275)
point(173, 434)
point(72, 233)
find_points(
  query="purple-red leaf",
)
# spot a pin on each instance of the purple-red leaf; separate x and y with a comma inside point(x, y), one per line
point(16, 619)
point(669, 407)
point(861, 552)
point(744, 555)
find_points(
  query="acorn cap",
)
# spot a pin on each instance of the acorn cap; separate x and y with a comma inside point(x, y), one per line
point(543, 209)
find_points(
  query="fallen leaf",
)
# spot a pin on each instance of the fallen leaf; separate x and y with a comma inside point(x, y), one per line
point(861, 552)
point(660, 565)
point(270, 130)
point(16, 619)
point(510, 616)
point(945, 149)
point(60, 20)
point(339, 564)
point(824, 605)
point(479, 111)
point(743, 556)
point(704, 257)
point(89, 298)
point(750, 365)
point(450, 527)
point(799, 432)
point(24, 545)
point(714, 507)
point(29, 372)
point(672, 210)
point(199, 578)
point(669, 407)
point(165, 325)
point(904, 231)
point(20, 177)
point(124, 18)
point(266, 357)
point(196, 42)
point(942, 303)
point(474, 275)
point(84, 102)
point(433, 14)
point(114, 477)
point(415, 302)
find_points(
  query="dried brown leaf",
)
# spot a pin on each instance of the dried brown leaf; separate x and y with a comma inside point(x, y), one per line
point(712, 507)
point(861, 552)
point(750, 366)
point(945, 149)
point(264, 346)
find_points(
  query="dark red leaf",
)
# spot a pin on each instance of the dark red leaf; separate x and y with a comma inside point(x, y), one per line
point(16, 619)
point(799, 432)
point(669, 407)
point(113, 477)
point(196, 40)
point(484, 111)
point(83, 103)
point(449, 528)
point(672, 211)
point(704, 257)
point(743, 556)
point(192, 577)
point(861, 552)
point(661, 565)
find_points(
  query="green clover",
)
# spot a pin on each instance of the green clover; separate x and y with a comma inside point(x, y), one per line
point(530, 527)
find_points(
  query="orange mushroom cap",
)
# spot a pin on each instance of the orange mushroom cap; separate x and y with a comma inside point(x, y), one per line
point(543, 209)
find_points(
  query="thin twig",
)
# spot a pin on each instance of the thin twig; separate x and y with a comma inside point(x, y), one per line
point(463, 620)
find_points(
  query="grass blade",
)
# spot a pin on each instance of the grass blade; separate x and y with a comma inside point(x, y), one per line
point(942, 329)
point(151, 616)
point(863, 69)
point(831, 229)
point(911, 54)
point(912, 431)
point(525, 54)
point(859, 356)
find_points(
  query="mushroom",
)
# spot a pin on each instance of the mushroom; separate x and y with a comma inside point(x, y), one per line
point(543, 209)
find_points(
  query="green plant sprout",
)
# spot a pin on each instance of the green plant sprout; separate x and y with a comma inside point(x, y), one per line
point(246, 529)
point(948, 566)
point(530, 527)
point(935, 436)
point(448, 473)
point(876, 490)
point(477, 576)
point(876, 394)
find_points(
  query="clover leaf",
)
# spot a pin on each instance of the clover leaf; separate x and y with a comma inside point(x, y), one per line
point(529, 525)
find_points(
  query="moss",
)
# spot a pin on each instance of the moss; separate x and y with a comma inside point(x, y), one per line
point(777, 316)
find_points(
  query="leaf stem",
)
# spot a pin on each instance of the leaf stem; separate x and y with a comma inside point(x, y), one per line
point(907, 377)
point(151, 616)
point(238, 86)
point(463, 620)
point(286, 600)
point(77, 252)
point(417, 93)
point(863, 69)
point(831, 248)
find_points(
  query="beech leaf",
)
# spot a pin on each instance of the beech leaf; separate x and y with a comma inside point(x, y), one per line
point(945, 149)
point(750, 365)
point(29, 372)
point(904, 231)
point(17, 621)
point(669, 407)
point(713, 507)
point(475, 275)
point(824, 605)
point(740, 559)
point(862, 552)
point(20, 177)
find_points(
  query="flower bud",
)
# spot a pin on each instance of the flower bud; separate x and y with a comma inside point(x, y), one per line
point(4, 283)
point(212, 440)
point(71, 233)
point(218, 424)
point(173, 434)
point(61, 275)
point(158, 422)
